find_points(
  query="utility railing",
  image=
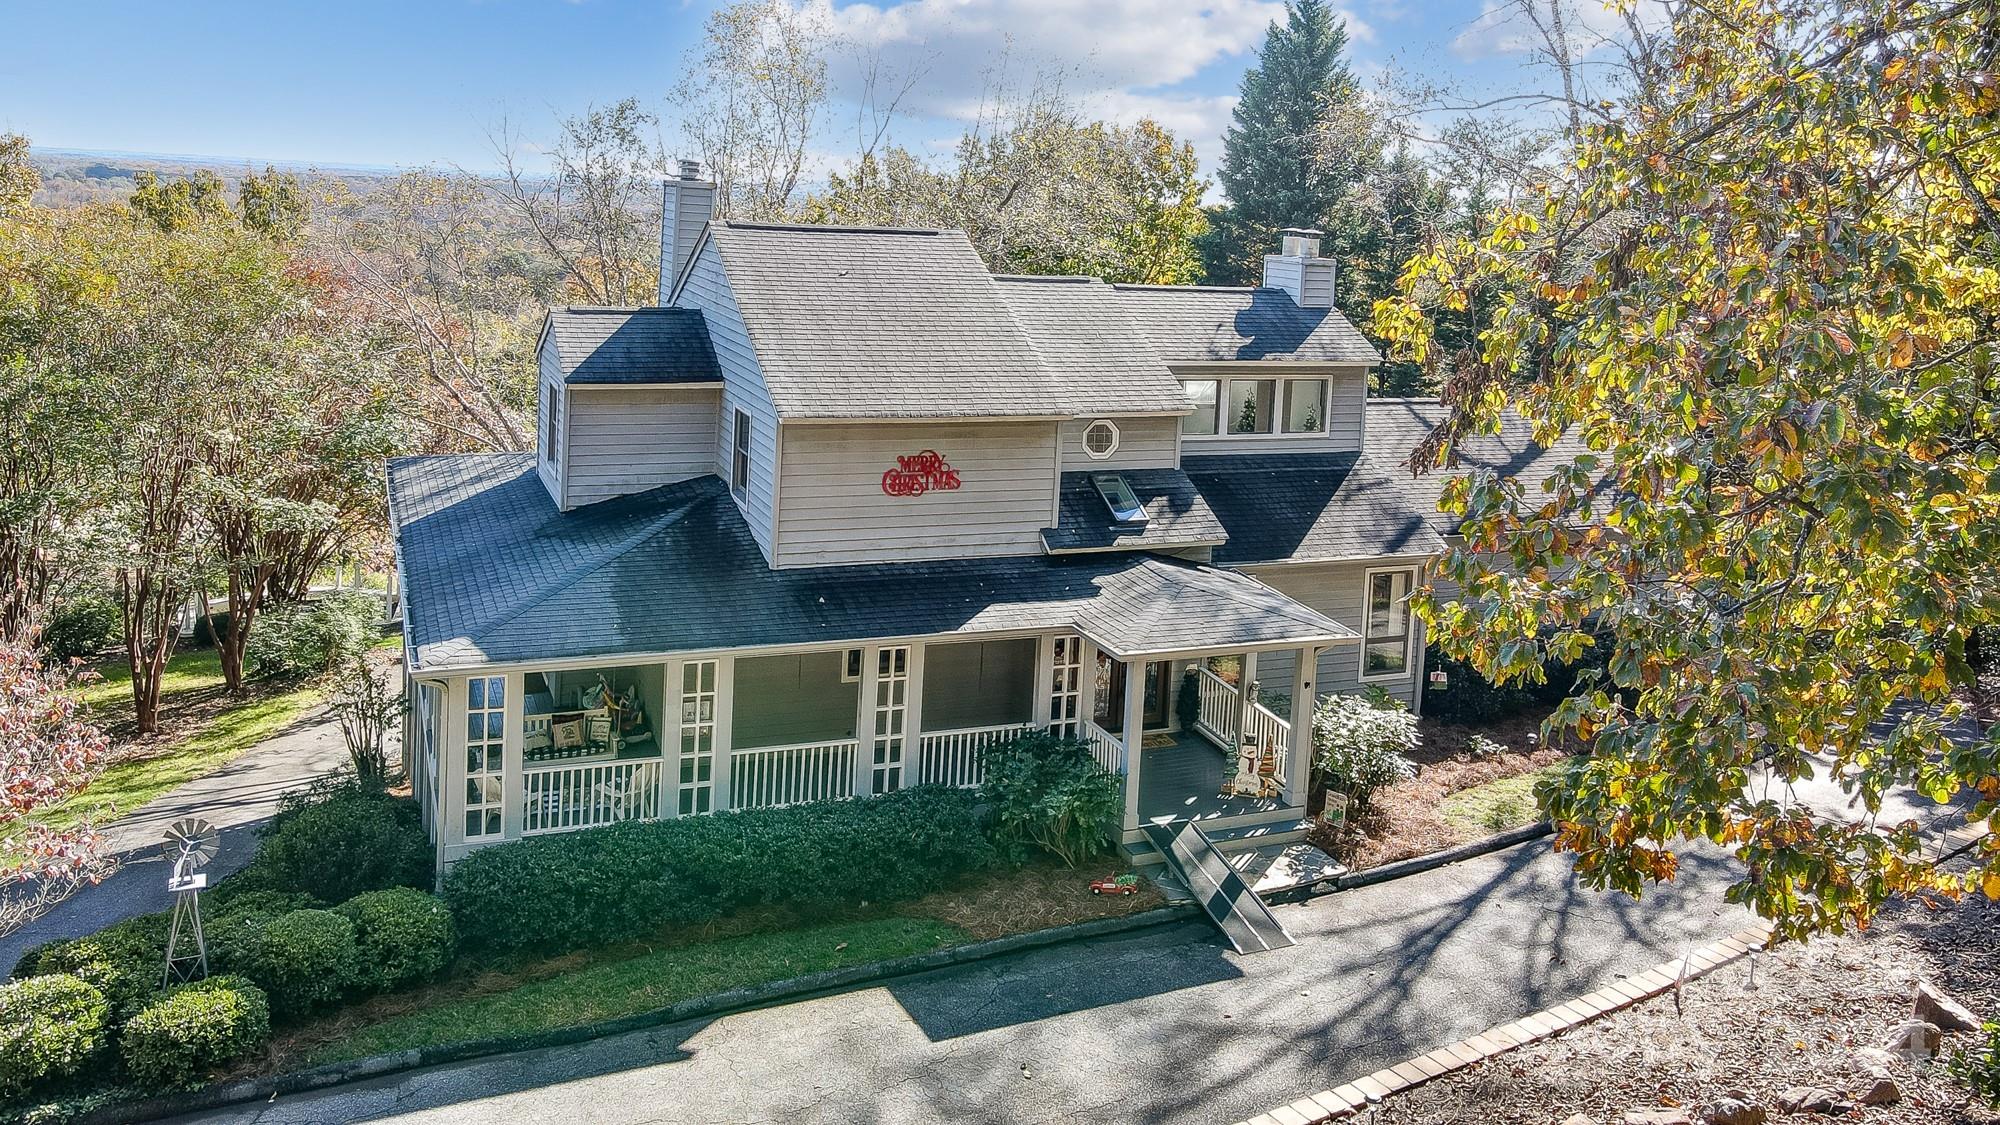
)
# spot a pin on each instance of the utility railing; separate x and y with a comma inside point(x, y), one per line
point(770, 776)
point(562, 798)
point(958, 757)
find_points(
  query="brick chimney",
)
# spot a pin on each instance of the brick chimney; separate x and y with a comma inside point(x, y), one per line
point(687, 204)
point(1298, 269)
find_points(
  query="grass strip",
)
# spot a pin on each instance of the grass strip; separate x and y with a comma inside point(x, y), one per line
point(1497, 805)
point(646, 982)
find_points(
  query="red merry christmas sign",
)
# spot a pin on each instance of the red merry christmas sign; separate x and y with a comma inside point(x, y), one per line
point(918, 473)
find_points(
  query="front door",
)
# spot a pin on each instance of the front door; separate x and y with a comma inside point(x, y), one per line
point(1109, 711)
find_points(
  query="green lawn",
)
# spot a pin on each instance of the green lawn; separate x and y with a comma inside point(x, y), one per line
point(203, 745)
point(643, 983)
point(1497, 805)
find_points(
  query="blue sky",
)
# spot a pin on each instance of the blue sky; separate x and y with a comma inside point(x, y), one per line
point(380, 83)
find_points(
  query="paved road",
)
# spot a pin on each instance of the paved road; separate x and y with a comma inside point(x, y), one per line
point(236, 799)
point(1166, 1025)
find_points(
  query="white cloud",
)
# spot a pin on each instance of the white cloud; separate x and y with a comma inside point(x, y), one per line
point(1119, 58)
point(1502, 29)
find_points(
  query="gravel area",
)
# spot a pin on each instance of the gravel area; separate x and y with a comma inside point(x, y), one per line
point(1812, 1007)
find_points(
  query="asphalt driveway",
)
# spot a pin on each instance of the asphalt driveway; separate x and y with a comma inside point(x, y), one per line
point(1165, 1025)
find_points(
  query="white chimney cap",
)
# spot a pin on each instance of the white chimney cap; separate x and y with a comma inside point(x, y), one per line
point(1300, 242)
point(690, 170)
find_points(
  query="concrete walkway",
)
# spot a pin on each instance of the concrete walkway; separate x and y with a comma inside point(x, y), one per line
point(236, 799)
point(1162, 1026)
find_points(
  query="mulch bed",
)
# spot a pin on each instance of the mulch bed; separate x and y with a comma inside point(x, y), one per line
point(1406, 819)
point(1813, 1006)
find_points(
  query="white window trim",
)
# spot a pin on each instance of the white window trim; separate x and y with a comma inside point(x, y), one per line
point(1277, 431)
point(742, 430)
point(1084, 440)
point(1410, 634)
point(851, 661)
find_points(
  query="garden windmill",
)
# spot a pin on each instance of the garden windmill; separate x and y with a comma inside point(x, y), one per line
point(190, 844)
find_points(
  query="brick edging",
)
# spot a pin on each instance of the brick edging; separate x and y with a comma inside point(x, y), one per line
point(1352, 1097)
point(714, 1005)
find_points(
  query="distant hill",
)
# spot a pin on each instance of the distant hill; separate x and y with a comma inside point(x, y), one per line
point(71, 177)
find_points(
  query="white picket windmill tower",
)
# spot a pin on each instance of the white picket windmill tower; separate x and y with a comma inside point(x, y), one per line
point(190, 844)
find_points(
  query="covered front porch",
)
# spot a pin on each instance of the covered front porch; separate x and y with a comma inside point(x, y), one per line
point(524, 752)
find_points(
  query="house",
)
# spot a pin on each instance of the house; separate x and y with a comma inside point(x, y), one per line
point(844, 508)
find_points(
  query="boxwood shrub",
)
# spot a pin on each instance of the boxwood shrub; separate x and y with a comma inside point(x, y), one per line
point(49, 1027)
point(177, 1041)
point(338, 847)
point(124, 961)
point(404, 936)
point(303, 960)
point(628, 880)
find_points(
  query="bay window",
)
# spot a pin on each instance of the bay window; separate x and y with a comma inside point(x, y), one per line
point(1386, 625)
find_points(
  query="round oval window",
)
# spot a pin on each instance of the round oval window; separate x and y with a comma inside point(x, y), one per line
point(1100, 439)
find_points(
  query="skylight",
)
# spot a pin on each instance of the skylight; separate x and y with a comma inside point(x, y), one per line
point(1118, 496)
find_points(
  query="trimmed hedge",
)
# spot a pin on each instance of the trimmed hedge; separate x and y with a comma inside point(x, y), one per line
point(1049, 793)
point(629, 880)
point(49, 1027)
point(178, 1041)
point(405, 936)
point(124, 961)
point(303, 960)
point(350, 842)
point(80, 628)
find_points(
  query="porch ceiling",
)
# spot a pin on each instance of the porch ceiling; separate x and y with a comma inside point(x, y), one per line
point(495, 575)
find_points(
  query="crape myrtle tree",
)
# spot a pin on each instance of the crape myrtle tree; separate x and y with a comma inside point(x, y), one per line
point(51, 751)
point(1764, 298)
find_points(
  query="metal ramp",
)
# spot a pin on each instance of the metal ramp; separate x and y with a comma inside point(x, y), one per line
point(1231, 904)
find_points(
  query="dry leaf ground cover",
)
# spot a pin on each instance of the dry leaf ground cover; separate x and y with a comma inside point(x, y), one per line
point(1457, 796)
point(1812, 1007)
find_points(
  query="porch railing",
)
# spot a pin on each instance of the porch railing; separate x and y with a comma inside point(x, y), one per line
point(1107, 748)
point(566, 797)
point(770, 776)
point(957, 757)
point(1219, 705)
point(1267, 729)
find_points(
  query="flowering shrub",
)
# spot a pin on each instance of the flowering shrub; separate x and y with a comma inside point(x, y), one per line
point(51, 751)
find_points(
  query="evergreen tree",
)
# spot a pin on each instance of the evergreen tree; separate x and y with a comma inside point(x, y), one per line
point(1285, 160)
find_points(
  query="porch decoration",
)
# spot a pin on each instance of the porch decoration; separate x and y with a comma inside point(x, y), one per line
point(918, 473)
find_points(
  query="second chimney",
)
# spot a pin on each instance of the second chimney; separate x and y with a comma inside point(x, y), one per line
point(1299, 270)
point(687, 203)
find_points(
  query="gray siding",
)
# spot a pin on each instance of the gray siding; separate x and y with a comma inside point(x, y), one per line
point(1347, 408)
point(1334, 589)
point(1143, 443)
point(708, 289)
point(626, 440)
point(549, 464)
point(979, 683)
point(834, 510)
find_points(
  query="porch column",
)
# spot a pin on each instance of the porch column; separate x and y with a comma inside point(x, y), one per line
point(513, 759)
point(1246, 697)
point(1086, 686)
point(1134, 736)
point(1045, 680)
point(725, 731)
point(913, 720)
point(864, 722)
point(1298, 773)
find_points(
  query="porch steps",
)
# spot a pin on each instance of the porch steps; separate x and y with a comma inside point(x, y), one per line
point(1238, 834)
point(1224, 896)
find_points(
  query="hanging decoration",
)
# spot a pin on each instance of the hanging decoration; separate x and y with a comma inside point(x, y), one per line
point(918, 473)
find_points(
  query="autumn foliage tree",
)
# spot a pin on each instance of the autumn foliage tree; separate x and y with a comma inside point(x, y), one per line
point(1764, 297)
point(47, 752)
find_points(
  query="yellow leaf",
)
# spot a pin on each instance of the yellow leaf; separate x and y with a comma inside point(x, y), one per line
point(1992, 885)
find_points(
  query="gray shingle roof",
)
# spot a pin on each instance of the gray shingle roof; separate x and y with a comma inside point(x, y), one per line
point(1102, 364)
point(610, 346)
point(865, 322)
point(1313, 507)
point(1204, 324)
point(495, 574)
point(1176, 515)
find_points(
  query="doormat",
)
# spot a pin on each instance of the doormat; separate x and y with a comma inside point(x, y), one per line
point(1157, 742)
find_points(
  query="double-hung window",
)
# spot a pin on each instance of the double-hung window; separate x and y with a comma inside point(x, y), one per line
point(1387, 630)
point(1250, 403)
point(739, 456)
point(1201, 392)
point(1305, 406)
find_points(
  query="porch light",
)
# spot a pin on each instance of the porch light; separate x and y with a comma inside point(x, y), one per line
point(1118, 496)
